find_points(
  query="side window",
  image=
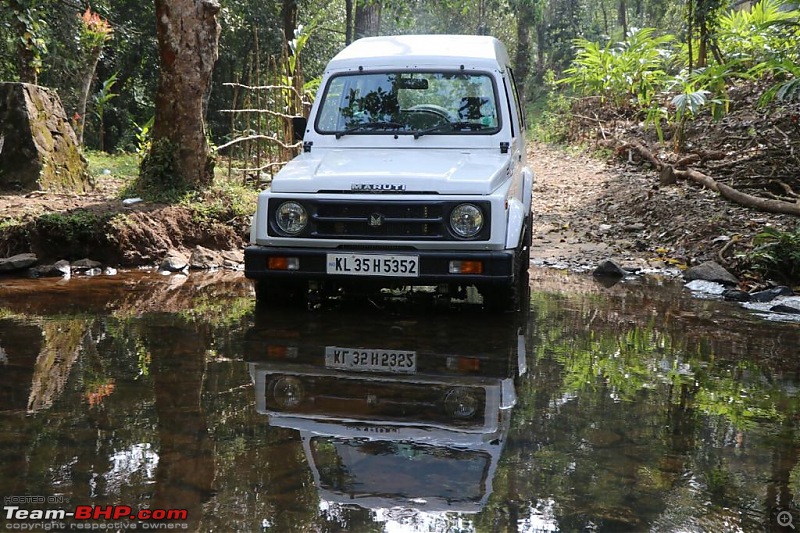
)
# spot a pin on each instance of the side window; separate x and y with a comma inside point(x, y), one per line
point(517, 100)
point(514, 117)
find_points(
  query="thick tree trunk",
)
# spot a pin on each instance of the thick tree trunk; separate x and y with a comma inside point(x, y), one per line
point(368, 18)
point(188, 38)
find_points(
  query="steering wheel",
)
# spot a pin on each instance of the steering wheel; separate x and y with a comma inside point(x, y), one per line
point(433, 109)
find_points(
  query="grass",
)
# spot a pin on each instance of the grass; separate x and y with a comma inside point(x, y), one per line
point(225, 200)
point(102, 165)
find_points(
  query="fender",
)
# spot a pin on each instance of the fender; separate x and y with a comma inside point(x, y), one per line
point(528, 179)
point(519, 209)
point(516, 220)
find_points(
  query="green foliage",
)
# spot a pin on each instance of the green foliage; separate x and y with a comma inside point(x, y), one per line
point(144, 136)
point(776, 254)
point(224, 201)
point(549, 125)
point(159, 180)
point(71, 228)
point(32, 37)
point(630, 72)
point(787, 88)
point(764, 32)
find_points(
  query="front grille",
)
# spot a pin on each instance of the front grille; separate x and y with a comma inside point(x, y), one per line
point(386, 220)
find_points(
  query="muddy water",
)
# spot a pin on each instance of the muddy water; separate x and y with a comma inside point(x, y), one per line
point(630, 408)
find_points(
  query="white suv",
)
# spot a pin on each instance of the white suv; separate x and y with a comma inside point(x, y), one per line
point(413, 173)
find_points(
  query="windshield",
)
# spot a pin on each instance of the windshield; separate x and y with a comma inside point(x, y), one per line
point(409, 102)
point(404, 469)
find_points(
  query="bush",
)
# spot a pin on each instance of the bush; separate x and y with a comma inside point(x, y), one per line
point(776, 255)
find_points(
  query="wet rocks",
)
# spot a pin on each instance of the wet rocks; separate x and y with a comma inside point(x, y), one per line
point(205, 259)
point(17, 262)
point(785, 309)
point(710, 271)
point(609, 268)
point(85, 265)
point(735, 295)
point(770, 294)
point(175, 261)
point(57, 269)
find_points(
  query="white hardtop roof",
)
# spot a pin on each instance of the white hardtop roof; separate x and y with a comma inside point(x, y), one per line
point(451, 51)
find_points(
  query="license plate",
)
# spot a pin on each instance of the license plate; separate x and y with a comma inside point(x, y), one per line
point(373, 265)
point(370, 359)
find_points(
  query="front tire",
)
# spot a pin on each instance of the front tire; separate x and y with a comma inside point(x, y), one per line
point(509, 297)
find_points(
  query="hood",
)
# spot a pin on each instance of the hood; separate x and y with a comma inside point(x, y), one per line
point(442, 171)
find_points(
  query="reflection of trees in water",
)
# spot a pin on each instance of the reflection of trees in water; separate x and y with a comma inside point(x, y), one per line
point(186, 452)
point(646, 410)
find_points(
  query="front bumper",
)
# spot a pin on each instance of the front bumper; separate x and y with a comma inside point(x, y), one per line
point(498, 266)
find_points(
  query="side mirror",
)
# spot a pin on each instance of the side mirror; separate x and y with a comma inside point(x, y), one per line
point(299, 126)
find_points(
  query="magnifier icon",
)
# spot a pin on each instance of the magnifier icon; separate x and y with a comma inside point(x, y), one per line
point(785, 519)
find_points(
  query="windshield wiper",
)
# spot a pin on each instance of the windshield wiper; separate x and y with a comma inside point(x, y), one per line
point(455, 126)
point(369, 126)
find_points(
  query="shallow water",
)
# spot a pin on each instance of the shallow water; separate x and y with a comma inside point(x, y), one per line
point(630, 408)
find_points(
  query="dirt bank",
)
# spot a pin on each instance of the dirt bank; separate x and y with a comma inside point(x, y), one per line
point(586, 210)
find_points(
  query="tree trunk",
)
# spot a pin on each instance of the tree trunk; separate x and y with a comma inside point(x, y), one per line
point(86, 88)
point(541, 43)
point(690, 32)
point(622, 18)
point(188, 39)
point(526, 17)
point(289, 17)
point(348, 22)
point(702, 48)
point(368, 18)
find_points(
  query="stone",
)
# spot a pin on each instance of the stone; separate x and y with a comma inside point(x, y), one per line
point(635, 227)
point(609, 268)
point(735, 295)
point(785, 309)
point(38, 148)
point(17, 262)
point(710, 271)
point(205, 259)
point(82, 265)
point(58, 269)
point(770, 294)
point(174, 262)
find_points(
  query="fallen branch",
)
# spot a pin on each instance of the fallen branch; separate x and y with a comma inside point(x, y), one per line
point(668, 173)
point(748, 200)
point(643, 152)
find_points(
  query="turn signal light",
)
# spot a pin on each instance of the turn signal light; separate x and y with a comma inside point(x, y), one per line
point(466, 267)
point(283, 263)
point(464, 364)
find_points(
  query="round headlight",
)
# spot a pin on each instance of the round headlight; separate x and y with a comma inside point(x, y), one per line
point(460, 403)
point(291, 217)
point(288, 392)
point(466, 220)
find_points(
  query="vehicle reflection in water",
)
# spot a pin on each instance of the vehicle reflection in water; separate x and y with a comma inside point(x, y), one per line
point(414, 423)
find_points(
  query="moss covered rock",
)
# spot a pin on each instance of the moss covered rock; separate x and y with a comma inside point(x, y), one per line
point(38, 147)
